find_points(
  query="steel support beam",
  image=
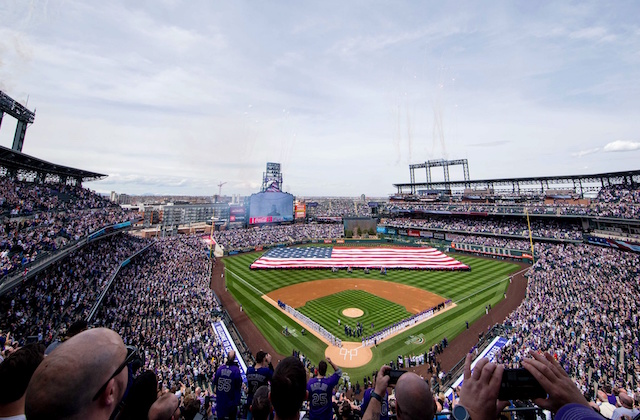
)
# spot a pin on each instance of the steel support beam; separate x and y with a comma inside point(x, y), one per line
point(18, 139)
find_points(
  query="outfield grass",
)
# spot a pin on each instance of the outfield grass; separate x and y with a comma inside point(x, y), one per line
point(471, 290)
point(377, 311)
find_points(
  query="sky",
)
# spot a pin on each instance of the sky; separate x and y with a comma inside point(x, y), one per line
point(175, 97)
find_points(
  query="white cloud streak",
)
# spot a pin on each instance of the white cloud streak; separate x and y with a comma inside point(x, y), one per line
point(621, 146)
point(586, 152)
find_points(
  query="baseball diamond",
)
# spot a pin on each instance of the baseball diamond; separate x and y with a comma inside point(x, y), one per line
point(485, 283)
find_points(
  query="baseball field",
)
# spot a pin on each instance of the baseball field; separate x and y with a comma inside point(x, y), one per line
point(373, 300)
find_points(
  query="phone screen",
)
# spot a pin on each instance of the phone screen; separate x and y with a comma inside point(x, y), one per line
point(519, 384)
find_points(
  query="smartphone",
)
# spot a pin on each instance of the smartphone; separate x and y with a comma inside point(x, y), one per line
point(520, 384)
point(394, 375)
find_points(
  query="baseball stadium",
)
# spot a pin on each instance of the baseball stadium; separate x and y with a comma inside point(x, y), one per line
point(415, 281)
point(441, 295)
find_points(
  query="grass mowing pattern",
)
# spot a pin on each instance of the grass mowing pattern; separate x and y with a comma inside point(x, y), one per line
point(483, 283)
point(327, 310)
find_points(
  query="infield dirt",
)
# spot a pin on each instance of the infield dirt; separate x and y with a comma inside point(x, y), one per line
point(413, 299)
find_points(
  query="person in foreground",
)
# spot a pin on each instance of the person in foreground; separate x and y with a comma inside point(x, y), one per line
point(320, 390)
point(288, 388)
point(166, 407)
point(228, 385)
point(15, 372)
point(83, 378)
point(479, 393)
point(413, 397)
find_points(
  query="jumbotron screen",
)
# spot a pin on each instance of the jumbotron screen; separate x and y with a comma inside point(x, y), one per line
point(270, 207)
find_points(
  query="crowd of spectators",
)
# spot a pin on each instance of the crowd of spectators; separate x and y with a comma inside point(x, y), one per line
point(339, 207)
point(237, 239)
point(617, 201)
point(20, 198)
point(37, 219)
point(497, 242)
point(163, 305)
point(582, 302)
point(582, 306)
point(620, 193)
point(547, 229)
point(46, 305)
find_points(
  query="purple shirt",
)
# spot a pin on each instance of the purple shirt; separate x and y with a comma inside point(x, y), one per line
point(255, 379)
point(228, 383)
point(384, 409)
point(320, 392)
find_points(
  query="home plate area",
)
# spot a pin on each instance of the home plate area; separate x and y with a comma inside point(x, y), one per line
point(350, 355)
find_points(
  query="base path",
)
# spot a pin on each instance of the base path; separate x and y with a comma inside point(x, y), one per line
point(413, 299)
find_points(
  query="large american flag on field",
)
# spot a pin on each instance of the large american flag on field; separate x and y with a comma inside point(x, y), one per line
point(340, 257)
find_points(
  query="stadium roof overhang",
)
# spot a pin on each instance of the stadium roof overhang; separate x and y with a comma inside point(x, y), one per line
point(15, 162)
point(545, 182)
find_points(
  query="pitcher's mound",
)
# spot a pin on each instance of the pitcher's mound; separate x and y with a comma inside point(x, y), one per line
point(351, 355)
point(353, 312)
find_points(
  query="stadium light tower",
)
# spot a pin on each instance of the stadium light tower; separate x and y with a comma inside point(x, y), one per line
point(19, 112)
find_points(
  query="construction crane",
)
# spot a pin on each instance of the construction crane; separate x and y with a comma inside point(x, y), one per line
point(220, 188)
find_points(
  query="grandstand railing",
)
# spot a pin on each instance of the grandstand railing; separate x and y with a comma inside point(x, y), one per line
point(25, 272)
point(231, 326)
point(95, 308)
point(483, 342)
point(237, 338)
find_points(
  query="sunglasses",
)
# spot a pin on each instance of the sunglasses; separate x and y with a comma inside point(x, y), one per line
point(132, 353)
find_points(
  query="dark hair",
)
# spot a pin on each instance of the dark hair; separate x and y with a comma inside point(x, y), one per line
point(190, 408)
point(289, 387)
point(76, 328)
point(260, 406)
point(141, 396)
point(260, 356)
point(322, 368)
point(16, 371)
point(345, 409)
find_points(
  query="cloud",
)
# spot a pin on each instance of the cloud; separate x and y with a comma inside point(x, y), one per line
point(622, 146)
point(594, 33)
point(585, 152)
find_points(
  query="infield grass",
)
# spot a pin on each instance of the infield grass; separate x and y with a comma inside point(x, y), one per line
point(377, 311)
point(472, 290)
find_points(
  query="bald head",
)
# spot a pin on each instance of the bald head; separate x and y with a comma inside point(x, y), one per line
point(231, 356)
point(164, 408)
point(626, 400)
point(66, 381)
point(602, 396)
point(413, 398)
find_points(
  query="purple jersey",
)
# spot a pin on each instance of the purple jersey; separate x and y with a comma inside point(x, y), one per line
point(255, 379)
point(384, 409)
point(320, 392)
point(228, 384)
